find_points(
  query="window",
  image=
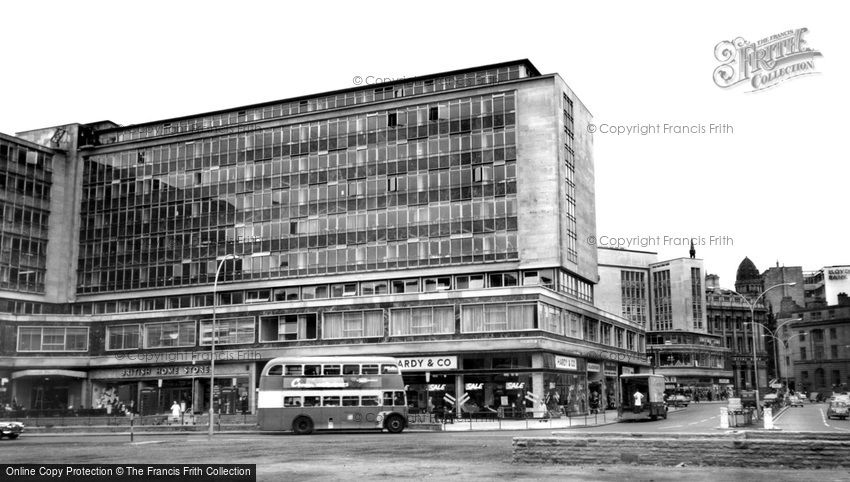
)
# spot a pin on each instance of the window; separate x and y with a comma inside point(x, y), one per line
point(123, 337)
point(370, 288)
point(498, 280)
point(257, 296)
point(161, 335)
point(833, 351)
point(340, 290)
point(392, 184)
point(543, 277)
point(802, 353)
point(498, 317)
point(406, 285)
point(469, 282)
point(314, 292)
point(287, 294)
point(392, 119)
point(442, 283)
point(288, 327)
point(353, 324)
point(53, 338)
point(422, 321)
point(228, 331)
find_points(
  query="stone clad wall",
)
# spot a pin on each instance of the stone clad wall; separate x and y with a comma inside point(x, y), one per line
point(747, 449)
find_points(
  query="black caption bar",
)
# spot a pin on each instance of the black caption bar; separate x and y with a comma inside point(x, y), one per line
point(129, 472)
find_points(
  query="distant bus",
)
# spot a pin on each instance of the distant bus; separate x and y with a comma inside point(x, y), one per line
point(332, 393)
point(652, 404)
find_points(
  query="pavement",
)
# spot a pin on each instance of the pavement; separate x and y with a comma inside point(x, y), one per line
point(459, 425)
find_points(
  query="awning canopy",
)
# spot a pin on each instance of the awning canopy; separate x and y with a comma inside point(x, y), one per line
point(49, 373)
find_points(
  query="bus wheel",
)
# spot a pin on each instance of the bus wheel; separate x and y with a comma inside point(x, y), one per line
point(394, 424)
point(653, 417)
point(302, 426)
point(665, 414)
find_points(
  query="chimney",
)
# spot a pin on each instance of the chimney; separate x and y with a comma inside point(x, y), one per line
point(843, 299)
point(712, 281)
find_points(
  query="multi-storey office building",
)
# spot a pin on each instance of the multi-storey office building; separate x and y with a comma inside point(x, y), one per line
point(669, 300)
point(434, 219)
point(729, 317)
point(815, 348)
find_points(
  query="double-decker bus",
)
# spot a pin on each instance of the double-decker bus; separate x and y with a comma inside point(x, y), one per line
point(332, 393)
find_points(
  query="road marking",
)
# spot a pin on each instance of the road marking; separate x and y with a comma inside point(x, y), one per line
point(823, 416)
point(673, 426)
point(147, 442)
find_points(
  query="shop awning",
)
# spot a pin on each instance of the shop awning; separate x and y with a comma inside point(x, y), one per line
point(49, 373)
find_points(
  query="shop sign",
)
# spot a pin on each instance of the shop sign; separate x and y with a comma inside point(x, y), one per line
point(427, 363)
point(593, 367)
point(610, 373)
point(628, 371)
point(515, 386)
point(167, 371)
point(474, 386)
point(437, 387)
point(670, 379)
point(566, 363)
point(723, 380)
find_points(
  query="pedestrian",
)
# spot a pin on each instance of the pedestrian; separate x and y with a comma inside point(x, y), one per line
point(638, 405)
point(175, 411)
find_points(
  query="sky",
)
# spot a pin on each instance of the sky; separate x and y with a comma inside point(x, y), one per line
point(771, 184)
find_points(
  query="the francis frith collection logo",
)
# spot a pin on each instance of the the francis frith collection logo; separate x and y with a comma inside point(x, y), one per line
point(765, 63)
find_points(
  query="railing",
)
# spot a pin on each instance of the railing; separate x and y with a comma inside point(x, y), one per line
point(99, 417)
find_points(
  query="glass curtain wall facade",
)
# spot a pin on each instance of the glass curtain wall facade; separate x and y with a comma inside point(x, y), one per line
point(434, 219)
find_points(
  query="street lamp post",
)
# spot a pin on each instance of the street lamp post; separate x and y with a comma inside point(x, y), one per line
point(752, 306)
point(212, 339)
point(772, 334)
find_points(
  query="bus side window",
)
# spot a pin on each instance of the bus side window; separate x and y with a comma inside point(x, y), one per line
point(351, 369)
point(311, 401)
point(330, 401)
point(370, 401)
point(388, 369)
point(388, 399)
point(276, 370)
point(294, 370)
point(312, 370)
point(399, 399)
point(291, 401)
point(350, 401)
point(370, 370)
point(331, 369)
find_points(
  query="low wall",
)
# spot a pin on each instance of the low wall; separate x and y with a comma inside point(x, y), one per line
point(740, 449)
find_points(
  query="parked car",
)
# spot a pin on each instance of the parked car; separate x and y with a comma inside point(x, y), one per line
point(837, 409)
point(795, 401)
point(11, 429)
point(678, 400)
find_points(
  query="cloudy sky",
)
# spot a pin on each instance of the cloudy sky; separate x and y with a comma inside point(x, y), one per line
point(773, 187)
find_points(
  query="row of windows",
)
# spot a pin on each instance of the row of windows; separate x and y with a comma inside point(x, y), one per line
point(357, 97)
point(569, 180)
point(481, 131)
point(662, 300)
point(634, 296)
point(340, 290)
point(331, 369)
point(24, 160)
point(356, 324)
point(389, 399)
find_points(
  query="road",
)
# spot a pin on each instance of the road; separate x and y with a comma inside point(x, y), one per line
point(410, 455)
point(810, 418)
